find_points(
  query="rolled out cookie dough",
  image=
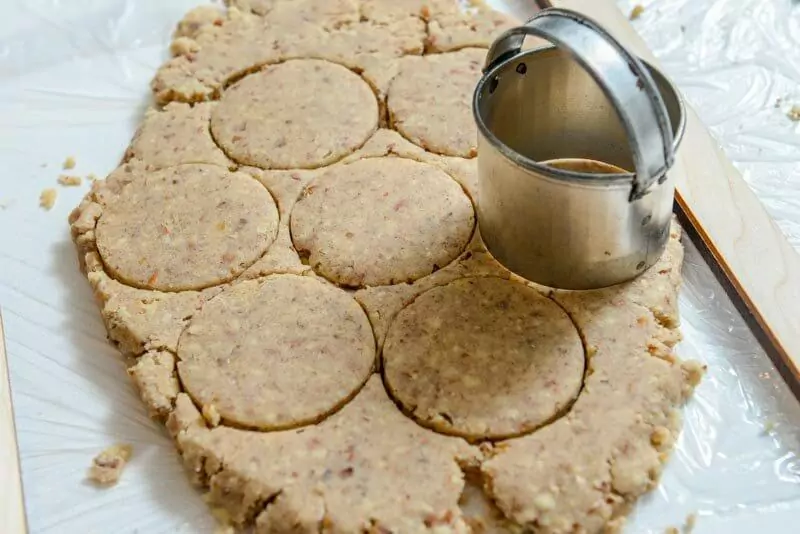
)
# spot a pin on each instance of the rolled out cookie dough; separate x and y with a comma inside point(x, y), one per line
point(382, 221)
point(430, 101)
point(276, 353)
point(367, 469)
point(299, 114)
point(186, 227)
point(483, 358)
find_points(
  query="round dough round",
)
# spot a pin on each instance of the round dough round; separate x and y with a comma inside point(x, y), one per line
point(300, 114)
point(430, 101)
point(186, 227)
point(381, 221)
point(483, 358)
point(276, 353)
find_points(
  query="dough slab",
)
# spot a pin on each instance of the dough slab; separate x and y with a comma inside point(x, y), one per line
point(483, 358)
point(382, 221)
point(287, 258)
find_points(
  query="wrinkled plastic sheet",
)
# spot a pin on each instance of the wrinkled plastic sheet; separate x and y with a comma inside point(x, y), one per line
point(74, 81)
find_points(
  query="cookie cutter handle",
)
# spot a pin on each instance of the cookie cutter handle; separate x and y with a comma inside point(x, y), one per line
point(619, 74)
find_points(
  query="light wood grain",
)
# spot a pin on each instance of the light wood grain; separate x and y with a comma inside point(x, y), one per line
point(12, 510)
point(748, 246)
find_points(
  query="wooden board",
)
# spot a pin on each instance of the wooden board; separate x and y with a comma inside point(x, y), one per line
point(745, 243)
point(12, 510)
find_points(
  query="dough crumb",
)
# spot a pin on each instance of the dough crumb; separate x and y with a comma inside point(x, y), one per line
point(48, 198)
point(691, 521)
point(794, 113)
point(672, 530)
point(211, 415)
point(107, 466)
point(69, 163)
point(661, 436)
point(636, 12)
point(68, 181)
point(91, 177)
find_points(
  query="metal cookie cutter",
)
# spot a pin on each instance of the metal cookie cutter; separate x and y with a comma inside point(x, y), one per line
point(561, 127)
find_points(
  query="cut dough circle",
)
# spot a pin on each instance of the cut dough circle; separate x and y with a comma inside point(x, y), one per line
point(276, 353)
point(186, 227)
point(381, 221)
point(483, 358)
point(299, 114)
point(430, 101)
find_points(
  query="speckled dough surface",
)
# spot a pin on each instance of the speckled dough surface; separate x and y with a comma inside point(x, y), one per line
point(365, 469)
point(430, 101)
point(287, 259)
point(382, 221)
point(483, 358)
point(277, 352)
point(186, 227)
point(299, 114)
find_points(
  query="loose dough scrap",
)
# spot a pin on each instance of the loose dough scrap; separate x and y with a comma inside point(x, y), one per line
point(365, 469)
point(177, 134)
point(382, 221)
point(186, 227)
point(430, 101)
point(107, 466)
point(276, 353)
point(483, 358)
point(298, 114)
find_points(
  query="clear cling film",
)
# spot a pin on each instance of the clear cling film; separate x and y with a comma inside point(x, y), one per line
point(74, 81)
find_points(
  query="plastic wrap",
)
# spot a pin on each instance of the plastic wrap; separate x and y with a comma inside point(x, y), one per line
point(74, 81)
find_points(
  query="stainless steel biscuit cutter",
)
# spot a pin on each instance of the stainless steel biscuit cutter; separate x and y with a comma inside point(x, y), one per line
point(560, 127)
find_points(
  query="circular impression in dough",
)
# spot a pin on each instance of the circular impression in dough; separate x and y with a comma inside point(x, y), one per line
point(186, 227)
point(483, 358)
point(276, 353)
point(430, 101)
point(381, 221)
point(300, 114)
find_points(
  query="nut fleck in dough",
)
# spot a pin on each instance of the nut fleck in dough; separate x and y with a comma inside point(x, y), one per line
point(367, 468)
point(483, 358)
point(299, 114)
point(186, 227)
point(430, 101)
point(107, 466)
point(276, 353)
point(382, 221)
point(177, 134)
